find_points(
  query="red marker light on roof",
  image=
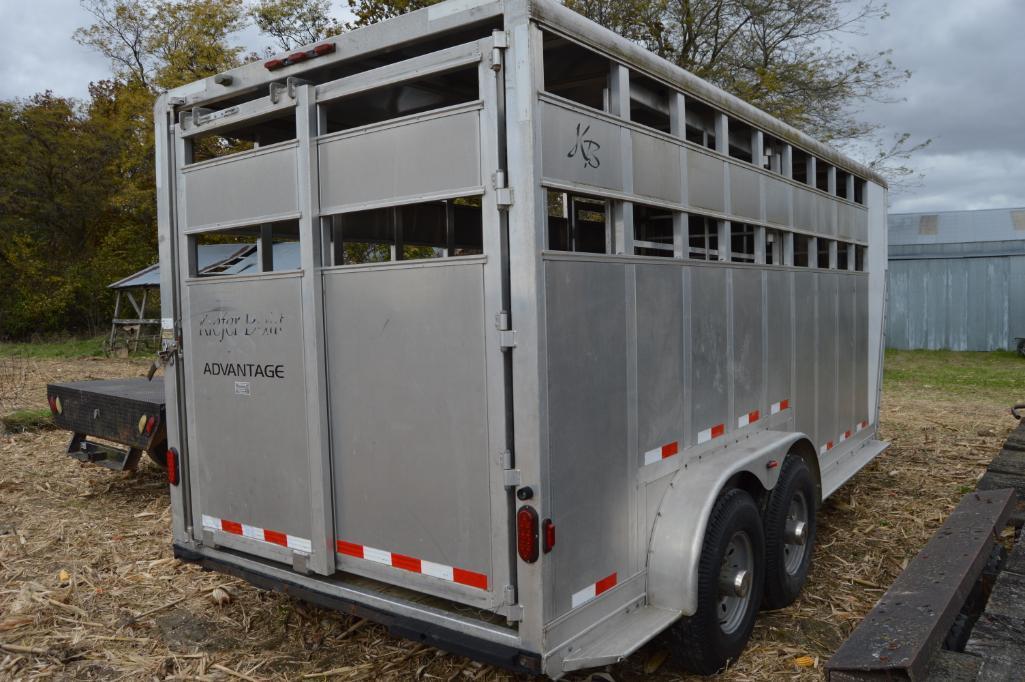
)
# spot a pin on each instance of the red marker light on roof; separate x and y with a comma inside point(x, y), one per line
point(296, 57)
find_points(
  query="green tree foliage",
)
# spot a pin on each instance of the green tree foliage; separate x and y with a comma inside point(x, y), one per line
point(77, 185)
point(372, 11)
point(294, 22)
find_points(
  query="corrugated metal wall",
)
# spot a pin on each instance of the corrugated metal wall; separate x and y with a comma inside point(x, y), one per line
point(957, 302)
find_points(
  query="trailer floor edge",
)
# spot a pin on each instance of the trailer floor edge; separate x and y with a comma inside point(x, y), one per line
point(477, 648)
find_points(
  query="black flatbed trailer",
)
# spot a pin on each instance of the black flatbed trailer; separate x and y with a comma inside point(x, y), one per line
point(108, 413)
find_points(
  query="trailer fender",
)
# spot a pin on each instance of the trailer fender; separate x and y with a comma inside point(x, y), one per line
point(679, 529)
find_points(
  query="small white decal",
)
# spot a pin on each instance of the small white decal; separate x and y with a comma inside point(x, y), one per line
point(242, 388)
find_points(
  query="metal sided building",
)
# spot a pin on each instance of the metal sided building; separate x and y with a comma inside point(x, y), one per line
point(576, 343)
point(955, 280)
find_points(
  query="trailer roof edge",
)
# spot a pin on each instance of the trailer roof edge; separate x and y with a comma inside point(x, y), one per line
point(578, 27)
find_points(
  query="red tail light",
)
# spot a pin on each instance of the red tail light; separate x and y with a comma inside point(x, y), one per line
point(172, 466)
point(53, 403)
point(150, 423)
point(549, 535)
point(526, 534)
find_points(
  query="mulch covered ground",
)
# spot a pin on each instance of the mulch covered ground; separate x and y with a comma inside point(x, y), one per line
point(89, 590)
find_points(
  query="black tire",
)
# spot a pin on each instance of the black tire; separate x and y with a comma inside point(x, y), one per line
point(700, 642)
point(787, 565)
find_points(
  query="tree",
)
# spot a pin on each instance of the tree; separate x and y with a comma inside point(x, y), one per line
point(372, 11)
point(295, 22)
point(164, 43)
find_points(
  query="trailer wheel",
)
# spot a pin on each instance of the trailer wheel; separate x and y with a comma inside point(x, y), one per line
point(790, 524)
point(730, 583)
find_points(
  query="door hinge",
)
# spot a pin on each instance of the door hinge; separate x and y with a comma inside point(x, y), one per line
point(503, 195)
point(506, 335)
point(511, 475)
point(499, 42)
point(513, 611)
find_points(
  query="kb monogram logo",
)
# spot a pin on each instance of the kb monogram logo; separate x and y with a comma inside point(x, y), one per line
point(588, 149)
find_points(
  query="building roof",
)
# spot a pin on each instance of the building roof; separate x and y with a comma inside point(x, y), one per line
point(225, 259)
point(957, 227)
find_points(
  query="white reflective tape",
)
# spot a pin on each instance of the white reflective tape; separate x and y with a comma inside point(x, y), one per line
point(705, 436)
point(823, 450)
point(253, 533)
point(583, 596)
point(299, 544)
point(377, 555)
point(652, 456)
point(743, 421)
point(437, 570)
point(211, 523)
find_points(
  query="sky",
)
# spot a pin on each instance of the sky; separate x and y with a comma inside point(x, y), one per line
point(966, 94)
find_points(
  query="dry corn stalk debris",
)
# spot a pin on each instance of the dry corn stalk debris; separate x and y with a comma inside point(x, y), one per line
point(89, 590)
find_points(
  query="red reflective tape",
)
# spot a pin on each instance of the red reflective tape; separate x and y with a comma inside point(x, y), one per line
point(350, 549)
point(670, 449)
point(847, 434)
point(231, 527)
point(784, 404)
point(829, 445)
point(469, 578)
point(406, 563)
point(754, 416)
point(275, 537)
point(605, 584)
point(717, 431)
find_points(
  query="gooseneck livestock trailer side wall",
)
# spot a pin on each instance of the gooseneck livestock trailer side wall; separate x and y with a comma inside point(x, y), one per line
point(566, 320)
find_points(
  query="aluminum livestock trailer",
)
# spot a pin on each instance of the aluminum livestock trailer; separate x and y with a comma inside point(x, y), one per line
point(576, 346)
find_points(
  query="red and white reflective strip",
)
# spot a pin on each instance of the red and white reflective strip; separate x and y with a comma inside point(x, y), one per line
point(749, 418)
point(844, 436)
point(826, 448)
point(862, 425)
point(272, 537)
point(779, 407)
point(664, 452)
point(709, 434)
point(414, 565)
point(591, 591)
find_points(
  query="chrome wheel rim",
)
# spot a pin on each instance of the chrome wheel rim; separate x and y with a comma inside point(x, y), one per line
point(795, 534)
point(736, 574)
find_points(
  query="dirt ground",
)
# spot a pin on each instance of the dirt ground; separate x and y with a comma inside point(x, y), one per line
point(89, 590)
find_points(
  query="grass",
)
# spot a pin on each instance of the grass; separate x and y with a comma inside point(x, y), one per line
point(27, 420)
point(68, 348)
point(998, 375)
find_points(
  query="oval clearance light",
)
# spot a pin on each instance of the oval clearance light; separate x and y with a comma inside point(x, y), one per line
point(526, 534)
point(274, 64)
point(549, 534)
point(150, 423)
point(324, 48)
point(172, 466)
point(142, 423)
point(53, 403)
point(297, 57)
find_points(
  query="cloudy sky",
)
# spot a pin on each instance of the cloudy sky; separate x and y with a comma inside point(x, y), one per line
point(967, 93)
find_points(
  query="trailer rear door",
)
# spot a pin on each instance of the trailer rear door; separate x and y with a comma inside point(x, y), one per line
point(364, 432)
